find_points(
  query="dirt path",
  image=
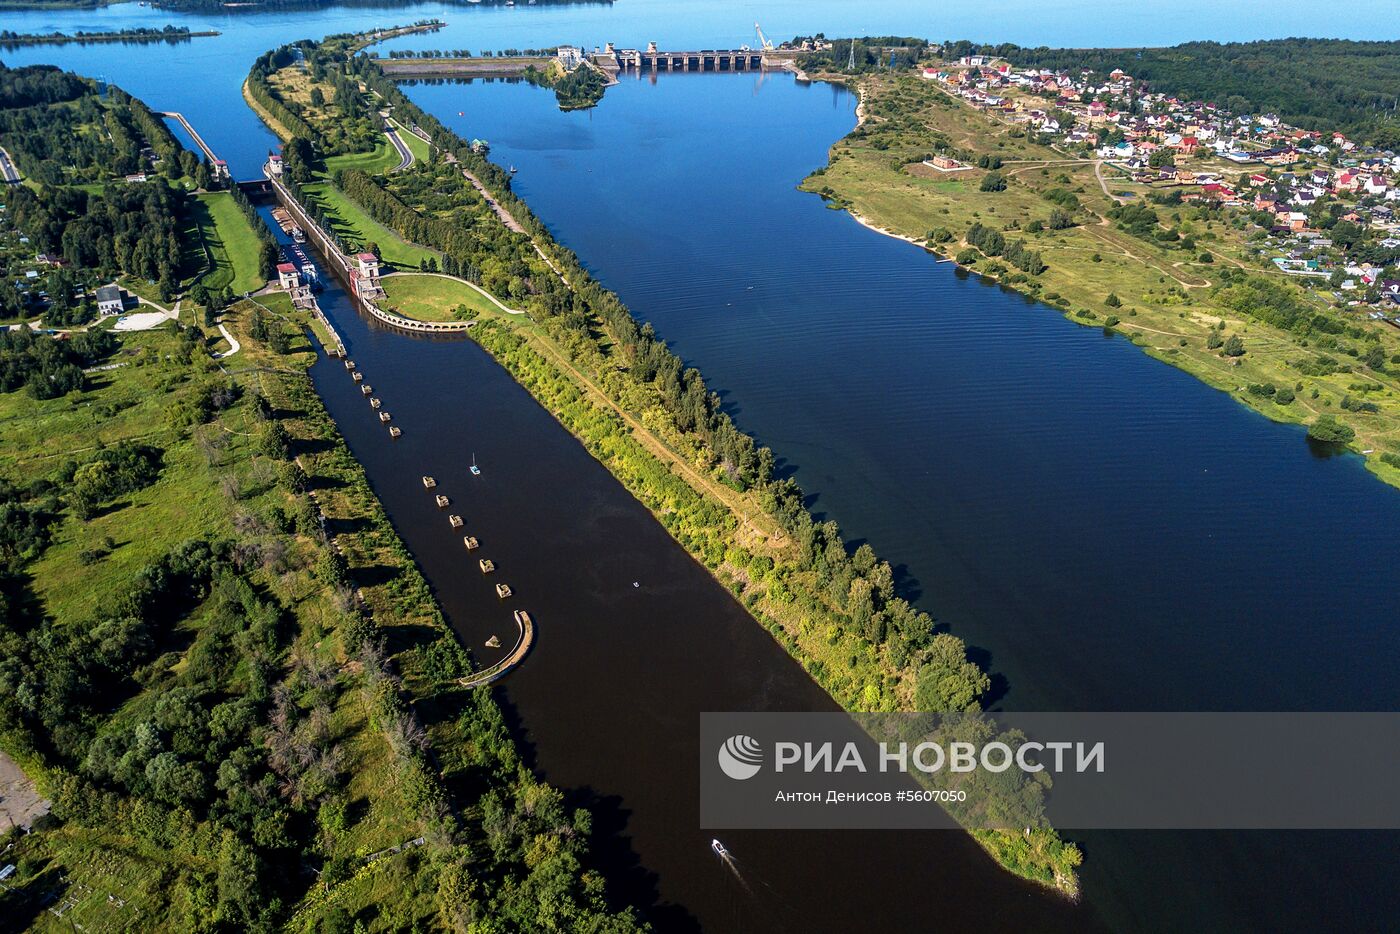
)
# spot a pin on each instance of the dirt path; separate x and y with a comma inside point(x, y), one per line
point(506, 217)
point(20, 802)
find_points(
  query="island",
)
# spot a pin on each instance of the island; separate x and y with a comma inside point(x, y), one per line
point(14, 40)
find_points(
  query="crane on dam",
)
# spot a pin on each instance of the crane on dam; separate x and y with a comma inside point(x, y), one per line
point(763, 41)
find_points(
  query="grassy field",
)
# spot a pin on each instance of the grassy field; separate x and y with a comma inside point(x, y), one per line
point(357, 228)
point(382, 159)
point(231, 243)
point(218, 481)
point(1169, 303)
point(435, 298)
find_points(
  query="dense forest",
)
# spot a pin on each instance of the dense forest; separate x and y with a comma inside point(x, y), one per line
point(59, 129)
point(1318, 84)
point(134, 229)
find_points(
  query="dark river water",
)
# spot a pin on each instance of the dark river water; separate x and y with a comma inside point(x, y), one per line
point(1105, 531)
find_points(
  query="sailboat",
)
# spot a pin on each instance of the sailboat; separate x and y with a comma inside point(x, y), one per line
point(476, 471)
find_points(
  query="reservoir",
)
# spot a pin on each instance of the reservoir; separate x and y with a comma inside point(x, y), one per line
point(1106, 531)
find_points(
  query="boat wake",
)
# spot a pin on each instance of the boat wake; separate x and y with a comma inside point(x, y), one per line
point(728, 859)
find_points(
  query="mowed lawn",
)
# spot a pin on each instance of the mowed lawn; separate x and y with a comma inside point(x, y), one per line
point(356, 228)
point(434, 298)
point(231, 241)
point(382, 159)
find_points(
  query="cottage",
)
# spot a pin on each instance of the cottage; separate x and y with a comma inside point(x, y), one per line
point(109, 301)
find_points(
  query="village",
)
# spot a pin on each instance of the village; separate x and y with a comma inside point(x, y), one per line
point(1320, 206)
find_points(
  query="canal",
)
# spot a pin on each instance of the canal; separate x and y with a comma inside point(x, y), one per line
point(634, 641)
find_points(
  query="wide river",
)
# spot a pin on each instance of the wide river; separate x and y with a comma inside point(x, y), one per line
point(1105, 530)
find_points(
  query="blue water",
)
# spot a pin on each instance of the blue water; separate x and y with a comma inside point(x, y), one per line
point(202, 78)
point(1106, 531)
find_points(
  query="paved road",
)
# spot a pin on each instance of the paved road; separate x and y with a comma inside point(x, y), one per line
point(405, 154)
point(8, 170)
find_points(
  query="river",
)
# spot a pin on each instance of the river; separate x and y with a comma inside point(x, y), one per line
point(1107, 532)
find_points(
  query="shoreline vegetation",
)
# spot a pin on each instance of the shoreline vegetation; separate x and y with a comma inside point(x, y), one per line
point(14, 40)
point(652, 422)
point(217, 658)
point(1064, 230)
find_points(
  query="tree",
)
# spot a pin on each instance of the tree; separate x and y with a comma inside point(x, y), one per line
point(993, 181)
point(1330, 431)
point(1234, 346)
point(948, 681)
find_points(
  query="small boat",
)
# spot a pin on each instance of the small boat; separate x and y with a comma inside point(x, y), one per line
point(487, 565)
point(476, 471)
point(503, 591)
point(374, 403)
point(366, 389)
point(719, 849)
point(494, 642)
point(455, 521)
point(471, 542)
point(384, 417)
point(443, 501)
point(512, 170)
point(357, 376)
point(429, 483)
point(395, 431)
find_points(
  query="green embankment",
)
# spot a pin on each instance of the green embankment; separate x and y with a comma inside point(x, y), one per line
point(429, 297)
point(231, 243)
point(357, 229)
point(382, 159)
point(415, 143)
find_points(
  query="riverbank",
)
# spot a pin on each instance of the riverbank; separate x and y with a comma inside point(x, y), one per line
point(1174, 306)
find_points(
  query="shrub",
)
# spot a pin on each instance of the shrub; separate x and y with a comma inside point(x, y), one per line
point(1330, 431)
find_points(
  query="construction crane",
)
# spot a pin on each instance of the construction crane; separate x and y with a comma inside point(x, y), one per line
point(763, 42)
